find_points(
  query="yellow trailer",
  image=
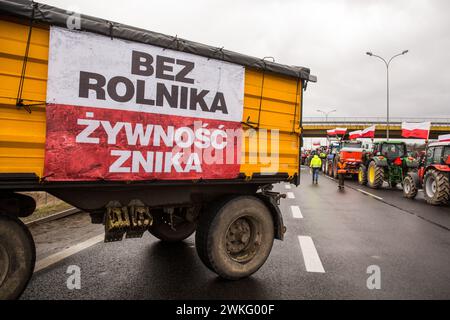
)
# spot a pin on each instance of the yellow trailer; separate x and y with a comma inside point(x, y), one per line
point(145, 132)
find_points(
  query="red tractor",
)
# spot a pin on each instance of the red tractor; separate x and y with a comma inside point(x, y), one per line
point(350, 158)
point(433, 175)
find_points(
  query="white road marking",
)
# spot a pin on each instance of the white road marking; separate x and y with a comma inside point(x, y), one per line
point(54, 258)
point(290, 195)
point(296, 212)
point(370, 194)
point(310, 255)
point(287, 186)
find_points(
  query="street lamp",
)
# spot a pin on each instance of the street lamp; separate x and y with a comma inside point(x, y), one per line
point(326, 113)
point(387, 63)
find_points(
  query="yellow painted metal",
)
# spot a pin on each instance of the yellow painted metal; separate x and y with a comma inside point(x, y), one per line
point(22, 135)
point(270, 100)
point(372, 174)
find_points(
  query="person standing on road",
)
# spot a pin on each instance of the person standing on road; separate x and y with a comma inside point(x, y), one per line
point(315, 165)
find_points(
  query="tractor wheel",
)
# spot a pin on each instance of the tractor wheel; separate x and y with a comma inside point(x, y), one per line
point(330, 169)
point(374, 176)
point(436, 187)
point(362, 175)
point(409, 187)
point(17, 257)
point(335, 170)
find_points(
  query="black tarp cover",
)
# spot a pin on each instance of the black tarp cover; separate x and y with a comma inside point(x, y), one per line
point(55, 16)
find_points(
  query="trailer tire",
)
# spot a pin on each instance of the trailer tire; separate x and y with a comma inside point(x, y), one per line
point(409, 187)
point(235, 237)
point(436, 187)
point(17, 257)
point(164, 232)
point(375, 175)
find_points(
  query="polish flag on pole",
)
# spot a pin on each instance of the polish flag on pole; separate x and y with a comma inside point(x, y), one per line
point(355, 134)
point(444, 138)
point(416, 129)
point(340, 131)
point(368, 132)
point(331, 132)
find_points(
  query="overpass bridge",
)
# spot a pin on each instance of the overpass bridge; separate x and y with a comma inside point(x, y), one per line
point(315, 127)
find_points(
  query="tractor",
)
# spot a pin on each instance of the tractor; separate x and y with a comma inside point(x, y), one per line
point(333, 156)
point(388, 162)
point(433, 175)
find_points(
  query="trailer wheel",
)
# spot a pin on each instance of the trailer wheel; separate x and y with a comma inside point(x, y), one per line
point(235, 237)
point(409, 187)
point(374, 175)
point(162, 230)
point(436, 187)
point(17, 257)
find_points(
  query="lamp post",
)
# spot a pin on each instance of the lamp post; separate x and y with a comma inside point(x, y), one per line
point(387, 63)
point(326, 113)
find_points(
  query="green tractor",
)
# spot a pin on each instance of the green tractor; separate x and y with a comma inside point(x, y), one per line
point(388, 162)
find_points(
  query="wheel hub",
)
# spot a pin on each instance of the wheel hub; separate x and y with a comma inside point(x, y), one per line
point(431, 187)
point(241, 239)
point(407, 187)
point(371, 174)
point(4, 263)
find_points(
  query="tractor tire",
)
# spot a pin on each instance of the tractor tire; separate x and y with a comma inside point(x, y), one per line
point(164, 232)
point(330, 169)
point(436, 187)
point(335, 170)
point(362, 175)
point(234, 238)
point(410, 187)
point(17, 257)
point(375, 176)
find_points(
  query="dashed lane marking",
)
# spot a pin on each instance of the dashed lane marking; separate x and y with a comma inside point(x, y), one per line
point(54, 258)
point(310, 255)
point(296, 212)
point(290, 195)
point(370, 194)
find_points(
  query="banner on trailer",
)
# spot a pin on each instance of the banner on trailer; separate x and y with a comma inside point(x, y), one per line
point(120, 110)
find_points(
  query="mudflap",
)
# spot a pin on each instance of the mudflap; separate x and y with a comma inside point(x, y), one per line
point(271, 200)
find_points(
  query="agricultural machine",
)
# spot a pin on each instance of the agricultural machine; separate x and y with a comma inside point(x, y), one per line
point(433, 175)
point(388, 162)
point(351, 155)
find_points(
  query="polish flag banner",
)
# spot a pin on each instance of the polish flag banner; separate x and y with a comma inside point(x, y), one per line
point(368, 132)
point(331, 132)
point(355, 134)
point(340, 131)
point(316, 143)
point(419, 130)
point(133, 111)
point(444, 138)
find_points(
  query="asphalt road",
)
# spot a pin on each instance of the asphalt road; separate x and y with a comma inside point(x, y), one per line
point(332, 238)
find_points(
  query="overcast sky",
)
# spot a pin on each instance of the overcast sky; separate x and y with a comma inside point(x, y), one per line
point(328, 36)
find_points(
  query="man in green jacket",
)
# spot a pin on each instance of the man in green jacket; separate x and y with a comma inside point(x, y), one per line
point(315, 165)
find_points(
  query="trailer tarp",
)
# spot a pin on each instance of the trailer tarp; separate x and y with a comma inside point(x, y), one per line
point(59, 17)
